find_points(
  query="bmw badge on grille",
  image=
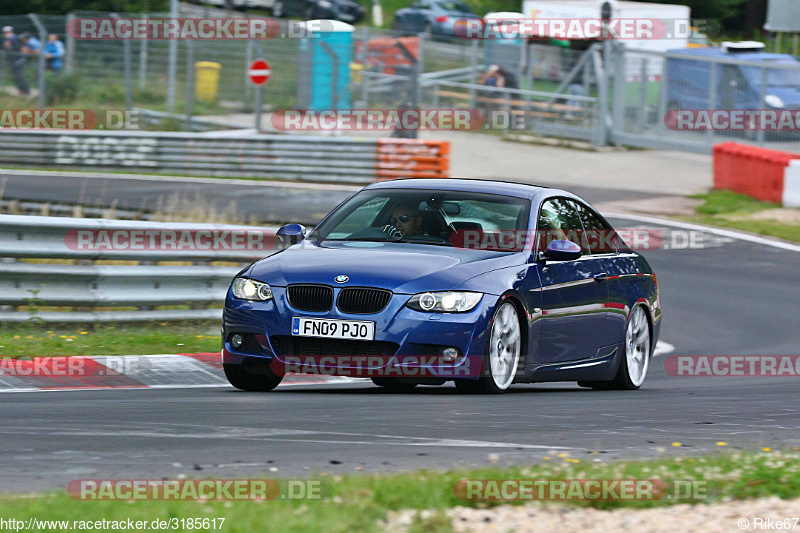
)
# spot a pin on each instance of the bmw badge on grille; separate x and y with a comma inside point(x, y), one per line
point(341, 278)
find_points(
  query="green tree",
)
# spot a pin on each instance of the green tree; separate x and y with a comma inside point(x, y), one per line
point(60, 7)
point(729, 14)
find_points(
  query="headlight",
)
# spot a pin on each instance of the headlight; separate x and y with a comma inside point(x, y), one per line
point(324, 4)
point(445, 302)
point(773, 101)
point(248, 289)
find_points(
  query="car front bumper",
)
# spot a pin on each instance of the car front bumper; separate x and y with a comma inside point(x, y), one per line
point(411, 341)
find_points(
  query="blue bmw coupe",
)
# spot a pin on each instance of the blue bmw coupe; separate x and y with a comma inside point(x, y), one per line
point(424, 281)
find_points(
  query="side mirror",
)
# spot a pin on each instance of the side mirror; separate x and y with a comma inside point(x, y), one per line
point(562, 251)
point(291, 233)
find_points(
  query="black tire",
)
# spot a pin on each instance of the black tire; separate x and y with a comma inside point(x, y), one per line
point(393, 384)
point(239, 377)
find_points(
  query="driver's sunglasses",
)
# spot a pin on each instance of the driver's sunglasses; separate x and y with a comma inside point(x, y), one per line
point(402, 218)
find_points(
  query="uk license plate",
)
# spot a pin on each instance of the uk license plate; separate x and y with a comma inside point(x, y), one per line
point(333, 329)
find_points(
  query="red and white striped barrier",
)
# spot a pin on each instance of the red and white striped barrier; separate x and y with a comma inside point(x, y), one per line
point(168, 371)
point(769, 175)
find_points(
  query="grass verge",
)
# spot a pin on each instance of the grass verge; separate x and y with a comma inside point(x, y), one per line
point(30, 339)
point(739, 211)
point(362, 502)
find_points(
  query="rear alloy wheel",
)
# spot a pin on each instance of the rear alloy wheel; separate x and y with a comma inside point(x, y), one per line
point(633, 367)
point(239, 377)
point(505, 345)
point(277, 9)
point(393, 384)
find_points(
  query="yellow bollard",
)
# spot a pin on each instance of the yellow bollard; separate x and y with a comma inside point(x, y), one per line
point(206, 80)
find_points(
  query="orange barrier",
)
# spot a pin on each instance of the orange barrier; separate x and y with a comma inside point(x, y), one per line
point(384, 54)
point(412, 158)
point(751, 170)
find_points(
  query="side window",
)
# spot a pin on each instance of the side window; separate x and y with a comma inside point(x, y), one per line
point(601, 237)
point(559, 220)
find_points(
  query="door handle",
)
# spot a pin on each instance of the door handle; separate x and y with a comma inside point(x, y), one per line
point(602, 276)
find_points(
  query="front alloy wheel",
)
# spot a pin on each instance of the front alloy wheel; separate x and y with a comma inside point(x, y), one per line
point(505, 345)
point(633, 369)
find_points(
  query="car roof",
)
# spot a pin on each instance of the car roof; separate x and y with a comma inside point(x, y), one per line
point(519, 190)
point(719, 52)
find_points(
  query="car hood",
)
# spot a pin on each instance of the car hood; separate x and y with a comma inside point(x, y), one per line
point(400, 267)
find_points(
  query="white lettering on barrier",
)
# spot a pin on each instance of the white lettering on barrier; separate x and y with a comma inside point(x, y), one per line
point(105, 151)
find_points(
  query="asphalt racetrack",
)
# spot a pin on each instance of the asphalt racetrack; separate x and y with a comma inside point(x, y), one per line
point(731, 297)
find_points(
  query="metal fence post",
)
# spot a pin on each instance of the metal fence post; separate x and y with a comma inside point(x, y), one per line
point(41, 62)
point(601, 65)
point(643, 83)
point(761, 104)
point(248, 60)
point(364, 70)
point(712, 97)
point(69, 54)
point(473, 75)
point(620, 85)
point(172, 58)
point(190, 81)
point(126, 65)
point(143, 62)
point(662, 96)
point(528, 121)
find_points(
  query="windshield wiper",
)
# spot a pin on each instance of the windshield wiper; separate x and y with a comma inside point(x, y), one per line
point(364, 239)
point(423, 241)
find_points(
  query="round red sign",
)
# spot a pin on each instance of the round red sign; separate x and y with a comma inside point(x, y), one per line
point(259, 72)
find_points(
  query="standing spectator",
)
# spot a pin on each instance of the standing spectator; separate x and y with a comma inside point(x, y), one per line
point(16, 58)
point(31, 46)
point(54, 52)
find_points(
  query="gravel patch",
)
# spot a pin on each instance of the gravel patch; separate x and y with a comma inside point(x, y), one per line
point(722, 517)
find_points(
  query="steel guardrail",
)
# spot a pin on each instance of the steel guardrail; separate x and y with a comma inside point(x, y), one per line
point(41, 266)
point(286, 156)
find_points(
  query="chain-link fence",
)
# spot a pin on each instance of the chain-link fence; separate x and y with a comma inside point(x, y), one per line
point(607, 92)
point(692, 99)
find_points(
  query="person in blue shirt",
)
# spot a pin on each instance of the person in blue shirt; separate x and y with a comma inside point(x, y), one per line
point(54, 52)
point(31, 46)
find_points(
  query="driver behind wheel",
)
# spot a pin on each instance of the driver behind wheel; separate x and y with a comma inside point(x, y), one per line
point(408, 219)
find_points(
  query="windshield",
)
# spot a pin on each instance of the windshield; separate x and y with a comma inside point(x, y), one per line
point(430, 217)
point(459, 7)
point(775, 77)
